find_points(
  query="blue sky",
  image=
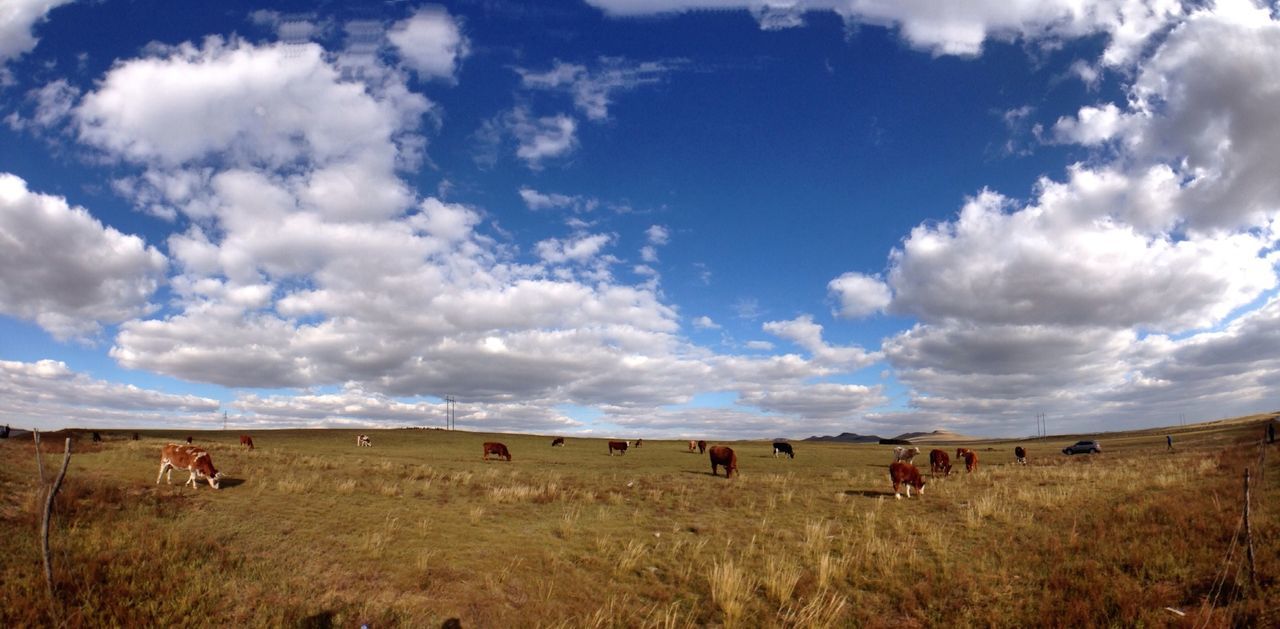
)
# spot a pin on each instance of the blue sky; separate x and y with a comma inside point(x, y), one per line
point(661, 218)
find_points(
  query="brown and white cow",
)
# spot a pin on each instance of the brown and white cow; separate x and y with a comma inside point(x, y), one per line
point(1020, 454)
point(246, 440)
point(363, 440)
point(190, 458)
point(905, 454)
point(693, 445)
point(970, 460)
point(620, 446)
point(939, 462)
point(496, 449)
point(558, 441)
point(902, 473)
point(723, 456)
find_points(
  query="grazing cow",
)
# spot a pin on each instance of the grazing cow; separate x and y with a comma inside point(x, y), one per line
point(939, 462)
point(702, 446)
point(97, 438)
point(246, 440)
point(135, 436)
point(903, 473)
point(188, 439)
point(1021, 454)
point(363, 440)
point(620, 446)
point(723, 456)
point(782, 447)
point(905, 454)
point(970, 460)
point(960, 453)
point(558, 441)
point(639, 442)
point(693, 445)
point(496, 449)
point(191, 458)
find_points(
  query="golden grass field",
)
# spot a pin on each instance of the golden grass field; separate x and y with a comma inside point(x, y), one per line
point(309, 530)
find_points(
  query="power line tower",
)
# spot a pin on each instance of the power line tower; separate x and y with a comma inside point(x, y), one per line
point(1042, 425)
point(224, 421)
point(450, 412)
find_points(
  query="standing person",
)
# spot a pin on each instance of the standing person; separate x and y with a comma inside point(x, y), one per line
point(1169, 440)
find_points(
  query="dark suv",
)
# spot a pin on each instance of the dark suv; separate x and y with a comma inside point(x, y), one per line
point(1085, 447)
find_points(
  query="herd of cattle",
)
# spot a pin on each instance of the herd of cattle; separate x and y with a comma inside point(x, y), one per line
point(902, 472)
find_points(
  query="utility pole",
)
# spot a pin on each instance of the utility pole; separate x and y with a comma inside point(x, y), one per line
point(224, 421)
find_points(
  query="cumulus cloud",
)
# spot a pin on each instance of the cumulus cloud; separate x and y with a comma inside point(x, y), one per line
point(705, 323)
point(430, 42)
point(543, 138)
point(536, 200)
point(580, 249)
point(961, 29)
point(47, 394)
point(859, 295)
point(65, 270)
point(18, 19)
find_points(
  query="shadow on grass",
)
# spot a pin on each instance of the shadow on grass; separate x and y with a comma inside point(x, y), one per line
point(867, 493)
point(227, 483)
point(322, 620)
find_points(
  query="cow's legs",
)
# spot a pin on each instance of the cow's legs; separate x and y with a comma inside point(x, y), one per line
point(163, 465)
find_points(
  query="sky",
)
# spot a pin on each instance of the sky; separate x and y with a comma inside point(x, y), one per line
point(639, 218)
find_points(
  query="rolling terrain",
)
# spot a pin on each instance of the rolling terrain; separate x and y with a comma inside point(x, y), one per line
point(310, 530)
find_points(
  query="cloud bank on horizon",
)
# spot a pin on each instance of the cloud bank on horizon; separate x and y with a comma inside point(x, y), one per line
point(324, 220)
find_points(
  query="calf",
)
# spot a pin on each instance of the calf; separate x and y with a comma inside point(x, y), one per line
point(939, 462)
point(496, 449)
point(363, 440)
point(782, 447)
point(970, 460)
point(960, 453)
point(246, 440)
point(558, 441)
point(620, 446)
point(723, 456)
point(1021, 454)
point(702, 446)
point(905, 454)
point(191, 458)
point(903, 473)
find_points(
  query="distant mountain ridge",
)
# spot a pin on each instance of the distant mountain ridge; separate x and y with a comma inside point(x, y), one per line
point(847, 437)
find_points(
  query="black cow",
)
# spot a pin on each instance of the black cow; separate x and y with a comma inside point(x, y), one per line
point(782, 447)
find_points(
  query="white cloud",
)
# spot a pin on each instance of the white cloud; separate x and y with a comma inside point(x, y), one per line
point(593, 90)
point(48, 394)
point(580, 249)
point(1091, 126)
point(658, 235)
point(962, 28)
point(808, 335)
point(536, 200)
point(859, 294)
point(542, 138)
point(705, 323)
point(430, 42)
point(18, 19)
point(66, 271)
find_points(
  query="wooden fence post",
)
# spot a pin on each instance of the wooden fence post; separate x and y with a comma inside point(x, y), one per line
point(44, 528)
point(35, 434)
point(1248, 534)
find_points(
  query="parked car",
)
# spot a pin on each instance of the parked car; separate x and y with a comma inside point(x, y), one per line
point(1083, 447)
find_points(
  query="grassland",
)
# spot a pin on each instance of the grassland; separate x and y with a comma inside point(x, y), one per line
point(309, 530)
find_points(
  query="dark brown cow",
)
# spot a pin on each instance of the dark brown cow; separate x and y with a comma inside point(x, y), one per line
point(620, 446)
point(135, 436)
point(639, 442)
point(723, 456)
point(188, 440)
point(558, 441)
point(702, 446)
point(496, 449)
point(97, 438)
point(970, 460)
point(1021, 454)
point(191, 458)
point(902, 473)
point(246, 440)
point(939, 462)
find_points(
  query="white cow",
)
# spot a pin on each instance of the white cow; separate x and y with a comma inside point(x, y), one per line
point(904, 454)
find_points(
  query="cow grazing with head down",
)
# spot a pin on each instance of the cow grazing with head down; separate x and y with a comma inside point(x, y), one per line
point(247, 441)
point(725, 457)
point(903, 473)
point(558, 441)
point(620, 446)
point(939, 463)
point(363, 440)
point(1020, 454)
point(782, 447)
point(702, 446)
point(905, 454)
point(496, 449)
point(191, 458)
point(970, 460)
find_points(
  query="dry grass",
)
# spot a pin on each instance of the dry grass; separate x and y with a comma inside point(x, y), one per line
point(418, 529)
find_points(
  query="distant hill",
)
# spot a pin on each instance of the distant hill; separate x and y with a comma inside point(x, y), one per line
point(847, 437)
point(937, 436)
